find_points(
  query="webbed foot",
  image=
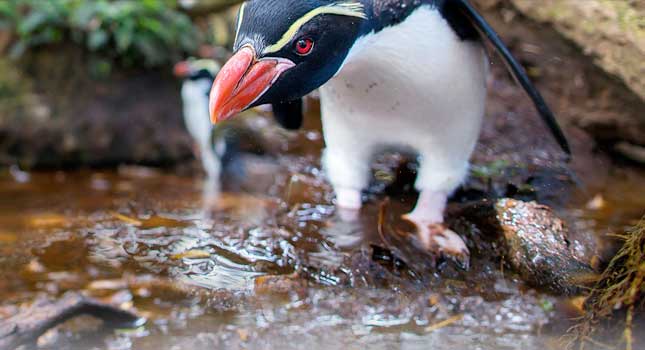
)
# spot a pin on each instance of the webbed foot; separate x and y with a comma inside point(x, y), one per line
point(440, 240)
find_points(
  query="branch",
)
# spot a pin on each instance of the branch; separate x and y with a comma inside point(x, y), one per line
point(206, 7)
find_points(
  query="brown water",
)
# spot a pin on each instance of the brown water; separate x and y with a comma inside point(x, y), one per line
point(267, 262)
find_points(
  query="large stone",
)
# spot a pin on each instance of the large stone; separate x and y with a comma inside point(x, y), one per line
point(612, 31)
point(586, 59)
point(538, 247)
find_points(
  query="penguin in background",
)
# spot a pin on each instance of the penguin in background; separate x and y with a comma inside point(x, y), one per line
point(407, 74)
point(197, 78)
point(217, 146)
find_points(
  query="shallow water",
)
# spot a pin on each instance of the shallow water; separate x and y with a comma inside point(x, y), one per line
point(266, 262)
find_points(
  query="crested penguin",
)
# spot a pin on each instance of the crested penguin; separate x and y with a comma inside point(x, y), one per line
point(391, 73)
point(198, 76)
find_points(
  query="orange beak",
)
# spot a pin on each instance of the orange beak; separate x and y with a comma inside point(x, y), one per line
point(242, 81)
point(181, 69)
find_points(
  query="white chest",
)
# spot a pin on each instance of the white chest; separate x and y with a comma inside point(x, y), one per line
point(194, 95)
point(409, 81)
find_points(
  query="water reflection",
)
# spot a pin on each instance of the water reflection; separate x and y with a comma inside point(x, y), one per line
point(188, 253)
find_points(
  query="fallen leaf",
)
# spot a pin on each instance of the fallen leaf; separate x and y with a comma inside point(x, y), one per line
point(596, 203)
point(47, 220)
point(433, 299)
point(6, 237)
point(244, 334)
point(114, 284)
point(126, 219)
point(191, 254)
point(579, 304)
point(444, 323)
point(160, 221)
point(34, 266)
point(279, 284)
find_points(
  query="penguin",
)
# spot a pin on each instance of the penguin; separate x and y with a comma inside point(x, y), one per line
point(197, 78)
point(407, 74)
point(218, 147)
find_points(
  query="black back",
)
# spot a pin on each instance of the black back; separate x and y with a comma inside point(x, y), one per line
point(468, 24)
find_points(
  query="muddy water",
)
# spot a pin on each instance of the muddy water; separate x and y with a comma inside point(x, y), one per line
point(265, 261)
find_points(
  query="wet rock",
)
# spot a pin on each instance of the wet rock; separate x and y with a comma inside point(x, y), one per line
point(537, 246)
point(532, 240)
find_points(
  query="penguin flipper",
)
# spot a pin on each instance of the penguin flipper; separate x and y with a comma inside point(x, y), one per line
point(466, 9)
point(289, 114)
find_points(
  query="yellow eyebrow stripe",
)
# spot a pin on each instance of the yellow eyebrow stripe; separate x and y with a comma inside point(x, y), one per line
point(240, 17)
point(353, 9)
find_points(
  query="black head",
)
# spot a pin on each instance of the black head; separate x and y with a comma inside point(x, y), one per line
point(284, 50)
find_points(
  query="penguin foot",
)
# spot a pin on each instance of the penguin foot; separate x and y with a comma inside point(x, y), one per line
point(348, 215)
point(439, 239)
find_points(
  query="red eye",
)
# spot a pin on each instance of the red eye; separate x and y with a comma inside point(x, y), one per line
point(304, 46)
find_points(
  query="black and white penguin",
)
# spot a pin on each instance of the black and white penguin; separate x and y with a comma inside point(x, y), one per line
point(391, 73)
point(219, 147)
point(197, 78)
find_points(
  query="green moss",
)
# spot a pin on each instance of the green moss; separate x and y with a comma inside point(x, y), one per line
point(491, 170)
point(149, 32)
point(14, 90)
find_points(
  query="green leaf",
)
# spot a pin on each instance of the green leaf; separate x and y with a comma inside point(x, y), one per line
point(152, 25)
point(124, 36)
point(32, 22)
point(18, 49)
point(135, 31)
point(97, 39)
point(83, 15)
point(152, 5)
point(8, 10)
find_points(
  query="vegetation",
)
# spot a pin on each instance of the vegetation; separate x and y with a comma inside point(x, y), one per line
point(621, 287)
point(148, 32)
point(14, 91)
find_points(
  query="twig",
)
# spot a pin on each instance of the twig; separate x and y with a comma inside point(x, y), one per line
point(598, 343)
point(445, 323)
point(380, 226)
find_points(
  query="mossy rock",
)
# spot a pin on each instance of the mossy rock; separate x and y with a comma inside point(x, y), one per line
point(612, 31)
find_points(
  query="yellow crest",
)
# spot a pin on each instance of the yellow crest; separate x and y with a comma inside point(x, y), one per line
point(346, 8)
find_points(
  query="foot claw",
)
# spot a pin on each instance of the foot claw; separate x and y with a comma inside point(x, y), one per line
point(437, 238)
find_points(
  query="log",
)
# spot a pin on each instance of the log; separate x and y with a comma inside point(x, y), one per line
point(27, 325)
point(205, 7)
